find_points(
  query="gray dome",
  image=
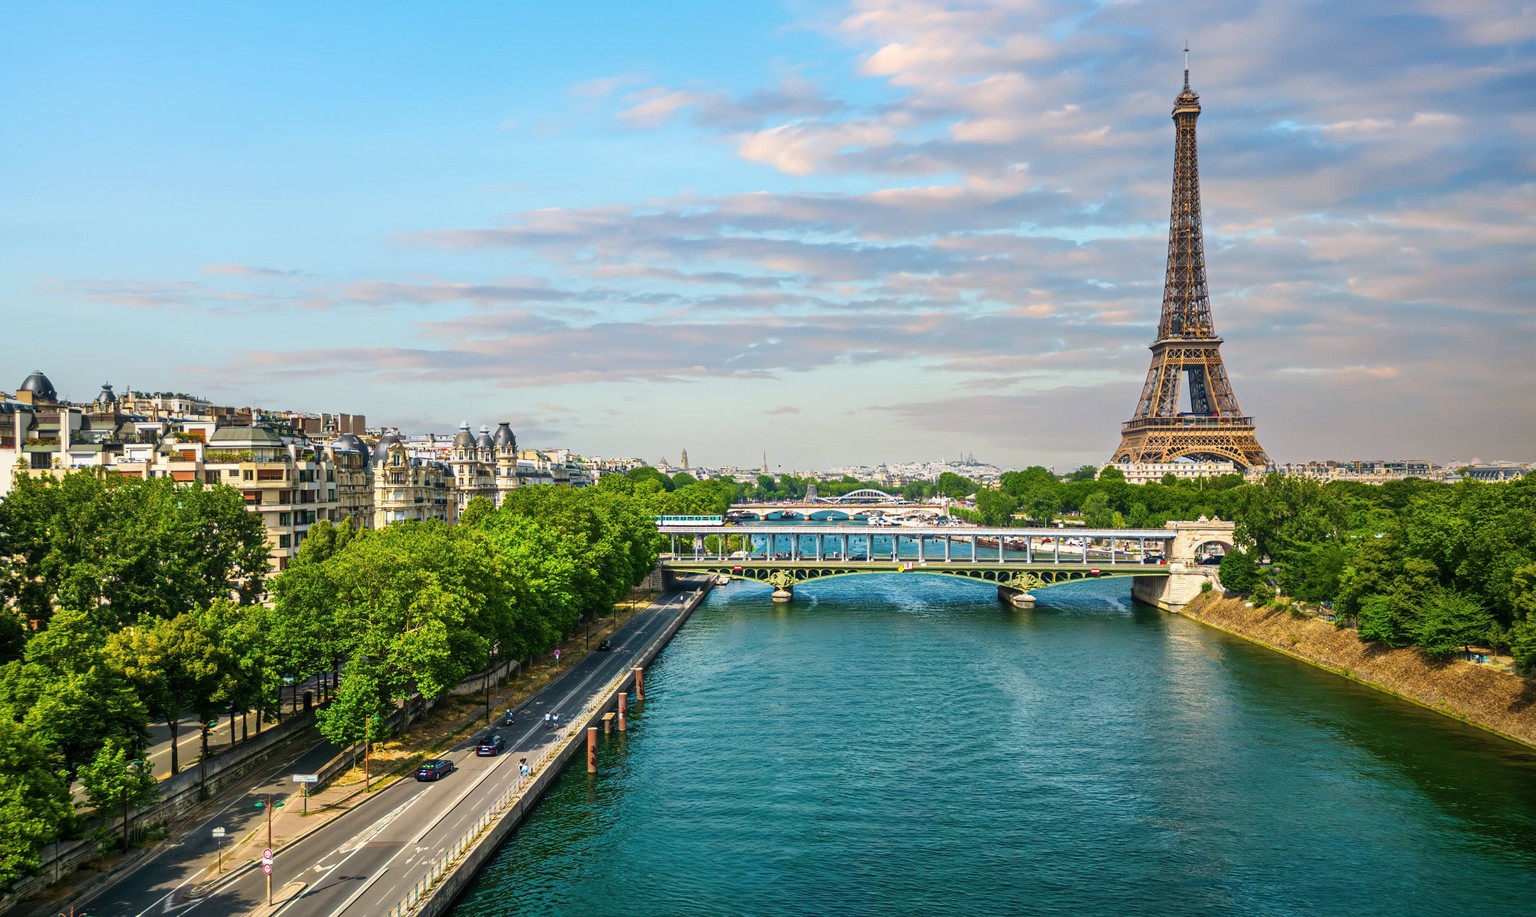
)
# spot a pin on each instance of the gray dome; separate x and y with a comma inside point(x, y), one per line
point(484, 441)
point(381, 450)
point(39, 385)
point(464, 439)
point(504, 436)
point(348, 442)
point(244, 436)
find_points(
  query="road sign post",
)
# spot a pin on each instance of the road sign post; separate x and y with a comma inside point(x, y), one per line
point(218, 841)
point(266, 867)
point(307, 780)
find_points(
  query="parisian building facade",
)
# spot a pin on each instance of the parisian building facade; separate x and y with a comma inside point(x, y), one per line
point(292, 469)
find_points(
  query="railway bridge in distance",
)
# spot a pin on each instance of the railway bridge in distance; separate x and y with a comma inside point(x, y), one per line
point(1168, 566)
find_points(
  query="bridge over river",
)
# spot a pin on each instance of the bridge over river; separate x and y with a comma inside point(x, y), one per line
point(1163, 562)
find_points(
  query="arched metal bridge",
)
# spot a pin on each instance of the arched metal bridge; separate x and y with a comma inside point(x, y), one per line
point(785, 556)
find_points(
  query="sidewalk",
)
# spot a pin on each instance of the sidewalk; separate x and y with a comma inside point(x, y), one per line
point(452, 721)
point(432, 734)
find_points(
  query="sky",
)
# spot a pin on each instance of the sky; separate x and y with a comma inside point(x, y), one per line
point(878, 230)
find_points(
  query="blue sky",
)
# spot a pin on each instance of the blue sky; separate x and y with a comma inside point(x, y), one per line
point(885, 229)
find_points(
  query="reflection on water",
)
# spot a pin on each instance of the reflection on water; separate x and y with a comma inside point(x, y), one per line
point(908, 744)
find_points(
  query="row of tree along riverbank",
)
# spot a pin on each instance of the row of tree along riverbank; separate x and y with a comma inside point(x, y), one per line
point(1482, 695)
point(132, 600)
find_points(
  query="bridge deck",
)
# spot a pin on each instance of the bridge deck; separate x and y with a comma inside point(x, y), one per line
point(956, 531)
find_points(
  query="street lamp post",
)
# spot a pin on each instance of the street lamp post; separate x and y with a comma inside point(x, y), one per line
point(269, 803)
point(368, 725)
point(490, 666)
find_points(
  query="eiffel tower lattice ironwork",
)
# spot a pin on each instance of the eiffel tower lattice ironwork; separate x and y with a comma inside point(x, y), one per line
point(1213, 428)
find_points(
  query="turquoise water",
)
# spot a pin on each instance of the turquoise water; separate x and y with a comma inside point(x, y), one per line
point(907, 745)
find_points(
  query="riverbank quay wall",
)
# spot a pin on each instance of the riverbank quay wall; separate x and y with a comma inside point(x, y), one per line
point(1479, 695)
point(440, 898)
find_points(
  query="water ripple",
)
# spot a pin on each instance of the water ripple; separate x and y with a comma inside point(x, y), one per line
point(906, 745)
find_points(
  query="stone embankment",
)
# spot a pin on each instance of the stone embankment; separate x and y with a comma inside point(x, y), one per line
point(1481, 695)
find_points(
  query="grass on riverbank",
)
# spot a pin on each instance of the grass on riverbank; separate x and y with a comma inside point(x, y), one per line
point(1484, 695)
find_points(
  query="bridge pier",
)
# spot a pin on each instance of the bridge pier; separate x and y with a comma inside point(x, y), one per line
point(1015, 597)
point(784, 594)
point(1171, 592)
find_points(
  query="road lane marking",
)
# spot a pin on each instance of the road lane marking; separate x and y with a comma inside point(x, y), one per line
point(171, 894)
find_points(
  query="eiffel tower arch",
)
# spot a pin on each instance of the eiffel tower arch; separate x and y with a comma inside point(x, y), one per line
point(1187, 351)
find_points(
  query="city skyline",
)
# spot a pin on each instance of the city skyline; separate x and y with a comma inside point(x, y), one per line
point(885, 231)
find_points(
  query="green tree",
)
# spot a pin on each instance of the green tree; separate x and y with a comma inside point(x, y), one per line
point(1315, 572)
point(996, 507)
point(1451, 622)
point(176, 666)
point(1239, 573)
point(115, 781)
point(479, 508)
point(123, 548)
point(954, 486)
point(34, 799)
point(1097, 512)
point(1522, 644)
point(1086, 473)
point(647, 473)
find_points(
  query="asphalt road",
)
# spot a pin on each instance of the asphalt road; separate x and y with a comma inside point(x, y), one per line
point(364, 861)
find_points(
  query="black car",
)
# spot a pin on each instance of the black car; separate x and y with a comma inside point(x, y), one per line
point(491, 745)
point(604, 645)
point(436, 769)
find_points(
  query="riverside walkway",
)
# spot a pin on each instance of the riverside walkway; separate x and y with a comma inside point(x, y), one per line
point(413, 845)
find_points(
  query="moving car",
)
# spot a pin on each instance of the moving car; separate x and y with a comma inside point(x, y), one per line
point(490, 746)
point(604, 645)
point(435, 769)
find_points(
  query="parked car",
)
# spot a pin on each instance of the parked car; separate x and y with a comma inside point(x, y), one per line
point(490, 745)
point(435, 769)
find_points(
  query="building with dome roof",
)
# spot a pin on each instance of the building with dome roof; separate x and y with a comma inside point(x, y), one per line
point(406, 488)
point(486, 465)
point(352, 474)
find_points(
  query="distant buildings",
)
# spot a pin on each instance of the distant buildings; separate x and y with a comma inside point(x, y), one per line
point(1155, 472)
point(293, 469)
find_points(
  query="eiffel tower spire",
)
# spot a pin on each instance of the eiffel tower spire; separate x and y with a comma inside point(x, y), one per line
point(1212, 427)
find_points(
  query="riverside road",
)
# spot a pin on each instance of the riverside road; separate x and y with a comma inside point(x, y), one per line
point(366, 860)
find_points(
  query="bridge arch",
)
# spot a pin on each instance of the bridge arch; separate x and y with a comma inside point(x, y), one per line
point(867, 495)
point(826, 515)
point(1021, 580)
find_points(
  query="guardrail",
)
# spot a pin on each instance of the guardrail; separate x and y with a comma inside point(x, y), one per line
point(433, 887)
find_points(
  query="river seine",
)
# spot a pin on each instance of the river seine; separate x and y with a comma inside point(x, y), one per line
point(907, 745)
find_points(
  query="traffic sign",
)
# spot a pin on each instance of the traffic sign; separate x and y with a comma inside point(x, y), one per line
point(266, 868)
point(218, 832)
point(266, 855)
point(306, 778)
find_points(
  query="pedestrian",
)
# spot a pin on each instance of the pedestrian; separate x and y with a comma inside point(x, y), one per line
point(522, 768)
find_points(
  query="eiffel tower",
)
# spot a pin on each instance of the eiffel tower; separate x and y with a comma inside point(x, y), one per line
point(1213, 428)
